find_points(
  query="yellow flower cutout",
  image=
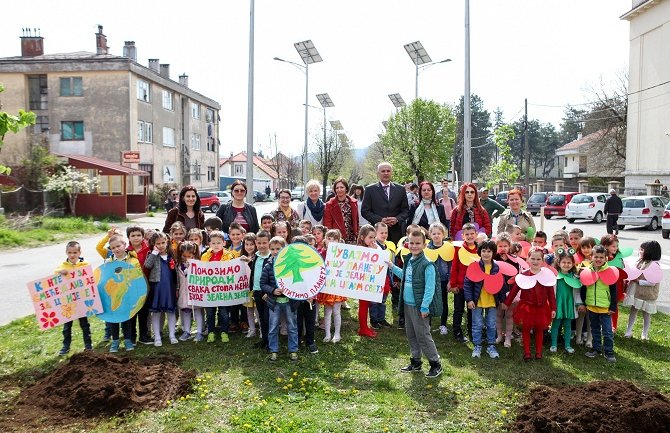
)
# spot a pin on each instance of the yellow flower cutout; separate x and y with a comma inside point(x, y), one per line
point(466, 257)
point(391, 246)
point(67, 310)
point(445, 252)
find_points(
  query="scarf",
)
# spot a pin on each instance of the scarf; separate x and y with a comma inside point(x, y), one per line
point(316, 209)
point(287, 213)
point(471, 214)
point(431, 215)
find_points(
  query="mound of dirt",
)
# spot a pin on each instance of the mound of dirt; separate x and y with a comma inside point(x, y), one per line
point(94, 385)
point(599, 407)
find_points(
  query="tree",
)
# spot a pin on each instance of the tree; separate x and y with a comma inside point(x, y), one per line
point(483, 148)
point(295, 259)
point(330, 155)
point(505, 169)
point(39, 165)
point(72, 182)
point(12, 123)
point(421, 140)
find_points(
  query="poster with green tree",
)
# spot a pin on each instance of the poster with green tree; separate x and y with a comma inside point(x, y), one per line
point(300, 271)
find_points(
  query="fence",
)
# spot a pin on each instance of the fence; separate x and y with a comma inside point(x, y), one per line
point(22, 200)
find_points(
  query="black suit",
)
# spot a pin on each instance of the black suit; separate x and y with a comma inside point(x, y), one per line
point(377, 206)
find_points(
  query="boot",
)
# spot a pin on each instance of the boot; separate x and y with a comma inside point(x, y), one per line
point(414, 365)
point(435, 369)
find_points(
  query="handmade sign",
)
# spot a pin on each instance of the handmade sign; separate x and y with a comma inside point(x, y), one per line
point(122, 289)
point(214, 284)
point(356, 272)
point(299, 271)
point(59, 298)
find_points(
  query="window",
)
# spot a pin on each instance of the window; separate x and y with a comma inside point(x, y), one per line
point(143, 91)
point(71, 86)
point(111, 185)
point(71, 131)
point(37, 92)
point(209, 115)
point(195, 141)
point(145, 132)
point(195, 110)
point(169, 174)
point(238, 169)
point(41, 124)
point(140, 131)
point(566, 162)
point(168, 137)
point(582, 164)
point(211, 144)
point(167, 100)
point(211, 173)
point(196, 171)
point(602, 199)
point(149, 168)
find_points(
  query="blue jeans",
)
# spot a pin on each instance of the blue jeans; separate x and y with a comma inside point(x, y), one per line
point(212, 314)
point(478, 324)
point(291, 325)
point(378, 310)
point(601, 329)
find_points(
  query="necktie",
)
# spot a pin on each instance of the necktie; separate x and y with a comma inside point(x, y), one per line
point(386, 191)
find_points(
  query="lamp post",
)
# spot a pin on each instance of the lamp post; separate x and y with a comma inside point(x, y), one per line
point(421, 60)
point(397, 100)
point(250, 110)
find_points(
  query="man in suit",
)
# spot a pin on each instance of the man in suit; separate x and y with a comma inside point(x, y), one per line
point(386, 201)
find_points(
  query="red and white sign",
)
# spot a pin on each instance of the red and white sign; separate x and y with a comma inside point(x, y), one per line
point(130, 157)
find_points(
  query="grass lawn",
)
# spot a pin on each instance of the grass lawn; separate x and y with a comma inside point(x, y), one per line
point(353, 386)
point(41, 230)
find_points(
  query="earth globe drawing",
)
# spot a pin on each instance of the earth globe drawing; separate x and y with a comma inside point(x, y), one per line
point(122, 289)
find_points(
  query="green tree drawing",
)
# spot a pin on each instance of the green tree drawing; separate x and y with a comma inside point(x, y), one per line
point(295, 259)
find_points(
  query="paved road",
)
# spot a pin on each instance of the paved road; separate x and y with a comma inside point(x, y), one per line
point(19, 266)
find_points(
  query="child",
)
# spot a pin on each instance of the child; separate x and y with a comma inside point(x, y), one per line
point(437, 232)
point(378, 309)
point(188, 250)
point(482, 303)
point(557, 242)
point(583, 260)
point(237, 313)
point(236, 233)
point(455, 285)
point(600, 301)
point(311, 240)
point(117, 245)
point(306, 315)
point(611, 244)
point(505, 317)
point(332, 303)
point(282, 230)
point(567, 296)
point(481, 237)
point(585, 251)
point(575, 237)
point(140, 246)
point(217, 253)
point(260, 259)
point(213, 223)
point(196, 236)
point(162, 279)
point(540, 240)
point(252, 313)
point(73, 261)
point(305, 226)
point(642, 294)
point(366, 238)
point(420, 299)
point(267, 221)
point(278, 306)
point(537, 306)
point(177, 234)
point(319, 233)
point(514, 231)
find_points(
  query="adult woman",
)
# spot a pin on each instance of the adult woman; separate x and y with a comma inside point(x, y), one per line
point(469, 210)
point(187, 210)
point(427, 211)
point(238, 210)
point(285, 212)
point(357, 192)
point(342, 212)
point(313, 207)
point(515, 215)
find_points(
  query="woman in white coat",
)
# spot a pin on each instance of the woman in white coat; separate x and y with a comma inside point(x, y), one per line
point(312, 208)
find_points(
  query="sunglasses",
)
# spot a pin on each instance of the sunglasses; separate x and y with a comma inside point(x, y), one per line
point(239, 190)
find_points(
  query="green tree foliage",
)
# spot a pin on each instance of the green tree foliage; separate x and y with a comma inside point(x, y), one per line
point(482, 147)
point(543, 141)
point(505, 169)
point(12, 123)
point(295, 259)
point(421, 139)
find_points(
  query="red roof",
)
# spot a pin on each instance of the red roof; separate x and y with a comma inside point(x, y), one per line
point(105, 167)
point(588, 139)
point(258, 162)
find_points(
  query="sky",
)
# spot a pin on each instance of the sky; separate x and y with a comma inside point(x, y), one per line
point(549, 51)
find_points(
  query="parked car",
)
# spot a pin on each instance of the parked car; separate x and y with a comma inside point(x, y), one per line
point(260, 196)
point(224, 196)
point(536, 202)
point(665, 223)
point(502, 198)
point(297, 193)
point(209, 201)
point(556, 204)
point(642, 211)
point(590, 206)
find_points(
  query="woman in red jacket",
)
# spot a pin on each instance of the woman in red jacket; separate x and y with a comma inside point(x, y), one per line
point(469, 210)
point(342, 212)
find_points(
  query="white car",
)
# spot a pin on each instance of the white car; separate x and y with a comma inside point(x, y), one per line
point(224, 196)
point(642, 211)
point(586, 206)
point(297, 193)
point(665, 223)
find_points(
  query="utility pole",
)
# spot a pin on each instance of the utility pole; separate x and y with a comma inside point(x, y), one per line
point(466, 175)
point(526, 145)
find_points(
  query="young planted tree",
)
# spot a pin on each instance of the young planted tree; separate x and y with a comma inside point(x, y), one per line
point(72, 182)
point(504, 169)
point(421, 139)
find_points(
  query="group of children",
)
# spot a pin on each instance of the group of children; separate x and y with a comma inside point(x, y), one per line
point(494, 299)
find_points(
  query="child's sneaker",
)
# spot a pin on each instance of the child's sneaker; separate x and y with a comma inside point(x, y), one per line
point(477, 352)
point(64, 351)
point(499, 339)
point(224, 337)
point(553, 349)
point(115, 346)
point(610, 357)
point(273, 356)
point(336, 339)
point(313, 349)
point(158, 343)
point(185, 336)
point(326, 339)
point(444, 330)
point(570, 350)
point(251, 333)
point(211, 338)
point(508, 343)
point(198, 338)
point(293, 356)
point(129, 345)
point(173, 340)
point(492, 351)
point(435, 370)
point(592, 353)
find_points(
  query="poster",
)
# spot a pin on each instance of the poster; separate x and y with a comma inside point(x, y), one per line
point(299, 271)
point(59, 298)
point(356, 272)
point(212, 284)
point(123, 290)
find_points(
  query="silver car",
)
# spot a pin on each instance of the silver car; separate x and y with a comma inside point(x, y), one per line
point(643, 211)
point(665, 223)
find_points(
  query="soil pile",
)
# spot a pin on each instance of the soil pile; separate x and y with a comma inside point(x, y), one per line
point(598, 407)
point(94, 385)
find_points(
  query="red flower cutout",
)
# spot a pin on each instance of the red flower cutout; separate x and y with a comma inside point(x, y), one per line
point(49, 320)
point(609, 276)
point(171, 264)
point(492, 282)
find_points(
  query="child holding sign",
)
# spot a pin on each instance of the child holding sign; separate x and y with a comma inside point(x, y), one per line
point(332, 304)
point(74, 260)
point(187, 251)
point(217, 253)
point(420, 298)
point(367, 238)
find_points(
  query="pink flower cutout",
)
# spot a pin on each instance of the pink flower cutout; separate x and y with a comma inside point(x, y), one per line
point(49, 320)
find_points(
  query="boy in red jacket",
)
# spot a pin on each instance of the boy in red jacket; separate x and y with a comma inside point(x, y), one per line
point(455, 286)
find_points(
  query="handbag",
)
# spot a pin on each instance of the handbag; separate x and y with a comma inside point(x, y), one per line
point(645, 292)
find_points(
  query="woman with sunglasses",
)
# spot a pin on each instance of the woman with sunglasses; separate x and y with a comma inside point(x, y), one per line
point(515, 215)
point(187, 211)
point(238, 210)
point(469, 210)
point(426, 211)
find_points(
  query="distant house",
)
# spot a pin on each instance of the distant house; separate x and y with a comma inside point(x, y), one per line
point(235, 167)
point(580, 158)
